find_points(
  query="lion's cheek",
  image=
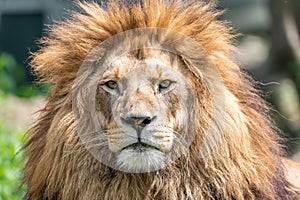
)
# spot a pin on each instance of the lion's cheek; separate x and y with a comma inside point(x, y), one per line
point(165, 145)
point(163, 140)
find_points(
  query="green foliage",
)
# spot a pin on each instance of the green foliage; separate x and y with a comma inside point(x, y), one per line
point(13, 79)
point(10, 163)
point(10, 72)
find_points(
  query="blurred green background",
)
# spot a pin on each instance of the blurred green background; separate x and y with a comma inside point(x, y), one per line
point(270, 52)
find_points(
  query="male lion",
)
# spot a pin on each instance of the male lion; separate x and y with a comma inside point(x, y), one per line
point(147, 104)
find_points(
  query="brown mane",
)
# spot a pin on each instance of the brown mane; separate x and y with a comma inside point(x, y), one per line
point(245, 165)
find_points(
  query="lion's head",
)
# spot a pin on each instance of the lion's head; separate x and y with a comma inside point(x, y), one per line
point(147, 103)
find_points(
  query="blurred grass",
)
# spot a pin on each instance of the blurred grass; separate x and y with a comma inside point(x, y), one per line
point(12, 82)
point(10, 162)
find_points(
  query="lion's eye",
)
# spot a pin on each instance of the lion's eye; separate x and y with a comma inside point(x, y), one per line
point(165, 84)
point(111, 84)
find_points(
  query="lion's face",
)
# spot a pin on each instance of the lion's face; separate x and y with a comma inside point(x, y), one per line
point(145, 99)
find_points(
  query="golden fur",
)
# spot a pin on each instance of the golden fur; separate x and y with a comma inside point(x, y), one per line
point(246, 162)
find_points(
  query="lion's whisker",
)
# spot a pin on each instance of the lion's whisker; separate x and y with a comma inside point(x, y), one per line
point(97, 145)
point(93, 140)
point(79, 149)
point(113, 129)
point(121, 136)
point(101, 131)
point(179, 139)
point(88, 133)
point(164, 126)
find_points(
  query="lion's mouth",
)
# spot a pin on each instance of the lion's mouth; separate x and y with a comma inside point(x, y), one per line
point(139, 146)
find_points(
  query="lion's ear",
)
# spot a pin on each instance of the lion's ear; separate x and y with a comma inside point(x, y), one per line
point(191, 67)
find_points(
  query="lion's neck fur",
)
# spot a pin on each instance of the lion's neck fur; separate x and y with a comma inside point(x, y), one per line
point(66, 170)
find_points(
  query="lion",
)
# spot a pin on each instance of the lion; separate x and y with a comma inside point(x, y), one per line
point(147, 103)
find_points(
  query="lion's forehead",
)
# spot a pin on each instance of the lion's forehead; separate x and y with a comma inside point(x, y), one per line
point(153, 65)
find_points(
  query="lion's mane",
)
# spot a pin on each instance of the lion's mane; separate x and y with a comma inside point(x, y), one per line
point(245, 164)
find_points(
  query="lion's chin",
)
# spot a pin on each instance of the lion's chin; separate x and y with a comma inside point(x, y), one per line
point(140, 160)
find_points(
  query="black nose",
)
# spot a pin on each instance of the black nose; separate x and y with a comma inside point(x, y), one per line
point(138, 122)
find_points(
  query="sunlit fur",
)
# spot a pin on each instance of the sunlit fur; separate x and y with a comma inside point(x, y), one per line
point(245, 163)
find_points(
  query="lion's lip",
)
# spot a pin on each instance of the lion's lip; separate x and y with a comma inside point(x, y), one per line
point(139, 146)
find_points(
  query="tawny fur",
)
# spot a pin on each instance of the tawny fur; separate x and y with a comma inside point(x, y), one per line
point(246, 164)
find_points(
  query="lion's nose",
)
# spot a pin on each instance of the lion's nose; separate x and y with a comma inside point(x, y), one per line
point(138, 121)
